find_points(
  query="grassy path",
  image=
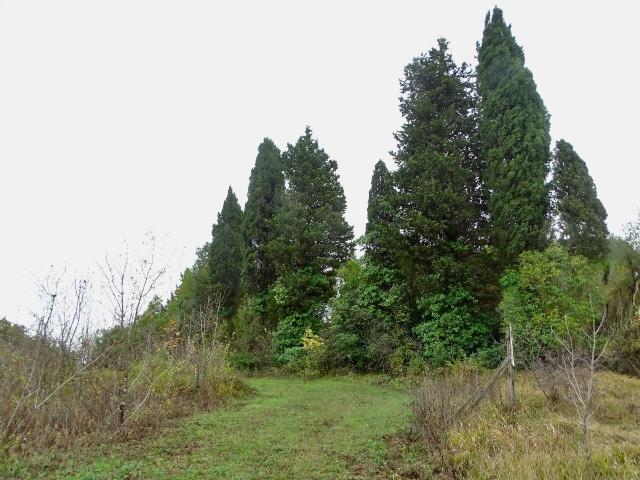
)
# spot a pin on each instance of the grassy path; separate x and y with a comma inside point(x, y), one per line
point(330, 428)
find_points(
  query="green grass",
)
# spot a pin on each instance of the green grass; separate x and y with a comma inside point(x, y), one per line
point(329, 428)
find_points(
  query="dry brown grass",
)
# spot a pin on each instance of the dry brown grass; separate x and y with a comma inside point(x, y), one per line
point(541, 439)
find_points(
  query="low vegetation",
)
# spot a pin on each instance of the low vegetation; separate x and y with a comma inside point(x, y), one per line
point(543, 440)
point(352, 427)
point(328, 428)
point(53, 400)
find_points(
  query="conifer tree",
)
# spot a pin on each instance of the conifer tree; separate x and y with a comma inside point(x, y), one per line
point(225, 251)
point(380, 215)
point(312, 230)
point(515, 137)
point(438, 177)
point(266, 188)
point(313, 241)
point(579, 215)
point(440, 205)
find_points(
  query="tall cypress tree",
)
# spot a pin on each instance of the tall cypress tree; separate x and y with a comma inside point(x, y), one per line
point(380, 215)
point(579, 215)
point(225, 251)
point(313, 240)
point(440, 205)
point(266, 188)
point(312, 229)
point(439, 210)
point(515, 138)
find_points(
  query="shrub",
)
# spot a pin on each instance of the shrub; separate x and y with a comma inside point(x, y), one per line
point(369, 319)
point(300, 298)
point(453, 327)
point(437, 406)
point(623, 302)
point(52, 396)
point(314, 349)
point(549, 293)
point(287, 338)
point(309, 359)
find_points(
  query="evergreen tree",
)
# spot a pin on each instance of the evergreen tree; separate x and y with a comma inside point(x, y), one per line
point(312, 230)
point(266, 188)
point(580, 216)
point(313, 240)
point(515, 136)
point(380, 215)
point(225, 251)
point(439, 200)
point(440, 203)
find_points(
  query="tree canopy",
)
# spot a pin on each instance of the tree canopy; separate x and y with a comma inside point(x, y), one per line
point(514, 131)
point(580, 216)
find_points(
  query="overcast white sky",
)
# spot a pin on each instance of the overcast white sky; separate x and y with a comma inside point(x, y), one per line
point(120, 117)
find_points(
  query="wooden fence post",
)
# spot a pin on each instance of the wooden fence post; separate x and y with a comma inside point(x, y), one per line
point(511, 369)
point(507, 365)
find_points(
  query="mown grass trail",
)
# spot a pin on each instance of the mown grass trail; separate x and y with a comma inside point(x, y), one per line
point(329, 428)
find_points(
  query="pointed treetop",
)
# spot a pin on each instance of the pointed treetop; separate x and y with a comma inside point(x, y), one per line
point(231, 210)
point(514, 129)
point(264, 196)
point(381, 189)
point(579, 215)
point(225, 250)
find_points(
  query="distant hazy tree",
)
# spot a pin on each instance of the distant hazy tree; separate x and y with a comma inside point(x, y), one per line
point(266, 188)
point(225, 251)
point(515, 143)
point(579, 215)
point(632, 232)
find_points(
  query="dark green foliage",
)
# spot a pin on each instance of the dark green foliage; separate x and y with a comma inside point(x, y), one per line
point(453, 327)
point(515, 143)
point(226, 251)
point(468, 199)
point(548, 294)
point(440, 207)
point(301, 301)
point(313, 240)
point(438, 178)
point(579, 214)
point(369, 320)
point(248, 335)
point(380, 215)
point(312, 231)
point(266, 189)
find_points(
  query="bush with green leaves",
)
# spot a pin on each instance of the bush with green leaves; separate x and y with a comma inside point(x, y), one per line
point(549, 294)
point(297, 298)
point(623, 300)
point(369, 317)
point(453, 327)
point(248, 335)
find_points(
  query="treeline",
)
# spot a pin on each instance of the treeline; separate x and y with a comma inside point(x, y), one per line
point(480, 223)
